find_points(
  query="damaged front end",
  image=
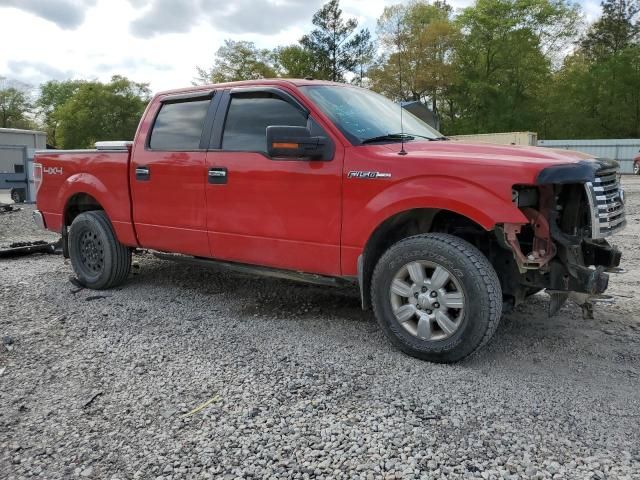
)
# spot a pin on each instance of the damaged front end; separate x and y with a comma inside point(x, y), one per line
point(562, 248)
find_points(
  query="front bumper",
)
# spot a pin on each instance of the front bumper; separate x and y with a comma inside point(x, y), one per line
point(585, 271)
point(38, 218)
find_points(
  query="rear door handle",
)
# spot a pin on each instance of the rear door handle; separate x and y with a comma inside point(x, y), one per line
point(142, 173)
point(217, 175)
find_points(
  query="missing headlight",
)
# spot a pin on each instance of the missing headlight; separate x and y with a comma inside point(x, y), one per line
point(524, 196)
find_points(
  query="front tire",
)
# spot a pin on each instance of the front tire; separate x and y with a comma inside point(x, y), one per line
point(636, 168)
point(436, 297)
point(99, 260)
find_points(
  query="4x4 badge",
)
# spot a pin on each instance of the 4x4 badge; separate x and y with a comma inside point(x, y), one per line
point(358, 174)
point(53, 170)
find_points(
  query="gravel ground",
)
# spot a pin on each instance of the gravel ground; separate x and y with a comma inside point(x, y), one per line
point(300, 383)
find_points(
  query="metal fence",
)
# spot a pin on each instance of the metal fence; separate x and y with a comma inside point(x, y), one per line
point(622, 150)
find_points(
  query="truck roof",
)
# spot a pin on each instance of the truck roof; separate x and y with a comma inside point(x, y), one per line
point(298, 82)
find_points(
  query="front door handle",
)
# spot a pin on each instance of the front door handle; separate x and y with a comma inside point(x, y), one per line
point(217, 175)
point(142, 173)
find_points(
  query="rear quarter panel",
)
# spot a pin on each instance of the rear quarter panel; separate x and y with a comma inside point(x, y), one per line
point(103, 175)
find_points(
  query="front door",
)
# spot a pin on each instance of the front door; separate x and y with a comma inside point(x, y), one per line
point(275, 212)
point(168, 176)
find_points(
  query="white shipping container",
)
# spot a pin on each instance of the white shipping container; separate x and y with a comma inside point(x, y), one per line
point(17, 148)
point(507, 138)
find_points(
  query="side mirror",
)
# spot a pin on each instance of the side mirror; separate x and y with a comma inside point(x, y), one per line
point(295, 142)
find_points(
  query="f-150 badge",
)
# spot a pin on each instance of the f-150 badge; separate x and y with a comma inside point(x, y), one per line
point(358, 174)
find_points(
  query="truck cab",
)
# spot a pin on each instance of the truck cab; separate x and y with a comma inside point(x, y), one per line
point(336, 184)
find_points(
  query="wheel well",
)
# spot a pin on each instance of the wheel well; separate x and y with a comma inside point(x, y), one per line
point(77, 204)
point(415, 222)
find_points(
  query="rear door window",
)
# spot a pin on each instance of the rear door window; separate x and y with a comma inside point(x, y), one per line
point(249, 116)
point(178, 126)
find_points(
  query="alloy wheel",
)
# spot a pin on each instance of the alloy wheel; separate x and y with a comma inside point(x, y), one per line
point(427, 300)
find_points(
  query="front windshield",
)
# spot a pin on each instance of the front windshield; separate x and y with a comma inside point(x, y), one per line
point(362, 115)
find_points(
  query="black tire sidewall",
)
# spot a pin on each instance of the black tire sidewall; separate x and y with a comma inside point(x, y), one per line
point(88, 222)
point(476, 320)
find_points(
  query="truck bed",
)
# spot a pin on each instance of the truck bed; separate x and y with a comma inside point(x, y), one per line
point(98, 173)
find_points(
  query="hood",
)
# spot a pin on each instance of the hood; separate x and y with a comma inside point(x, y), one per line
point(508, 155)
point(482, 163)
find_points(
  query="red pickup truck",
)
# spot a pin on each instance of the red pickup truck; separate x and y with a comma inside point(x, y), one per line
point(322, 182)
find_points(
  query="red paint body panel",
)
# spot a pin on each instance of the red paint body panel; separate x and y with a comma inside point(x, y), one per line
point(102, 175)
point(299, 215)
point(169, 210)
point(278, 213)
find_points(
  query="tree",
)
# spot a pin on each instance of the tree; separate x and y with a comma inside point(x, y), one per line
point(294, 61)
point(364, 56)
point(417, 40)
point(15, 105)
point(335, 42)
point(101, 111)
point(504, 64)
point(616, 29)
point(53, 95)
point(596, 93)
point(240, 60)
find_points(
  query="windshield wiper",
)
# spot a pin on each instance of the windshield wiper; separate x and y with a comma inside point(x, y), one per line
point(431, 139)
point(388, 137)
point(396, 137)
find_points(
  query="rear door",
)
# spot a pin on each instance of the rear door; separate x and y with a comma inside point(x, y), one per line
point(266, 211)
point(168, 174)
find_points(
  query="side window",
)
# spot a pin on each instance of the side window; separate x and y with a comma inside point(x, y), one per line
point(178, 126)
point(249, 116)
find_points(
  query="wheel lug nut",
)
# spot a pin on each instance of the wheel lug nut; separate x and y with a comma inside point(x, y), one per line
point(415, 295)
point(418, 307)
point(434, 294)
point(424, 289)
point(436, 305)
point(429, 312)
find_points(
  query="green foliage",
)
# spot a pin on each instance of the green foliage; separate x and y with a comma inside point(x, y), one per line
point(15, 105)
point(101, 111)
point(240, 60)
point(501, 65)
point(417, 39)
point(600, 100)
point(53, 95)
point(617, 28)
point(598, 87)
point(294, 61)
point(335, 42)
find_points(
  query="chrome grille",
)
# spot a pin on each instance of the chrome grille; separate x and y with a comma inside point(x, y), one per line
point(606, 202)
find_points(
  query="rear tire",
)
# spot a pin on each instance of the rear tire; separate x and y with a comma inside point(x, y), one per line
point(436, 297)
point(636, 168)
point(99, 260)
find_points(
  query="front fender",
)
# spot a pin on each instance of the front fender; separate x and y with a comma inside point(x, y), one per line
point(479, 204)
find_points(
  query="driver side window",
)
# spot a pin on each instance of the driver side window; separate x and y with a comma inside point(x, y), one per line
point(249, 116)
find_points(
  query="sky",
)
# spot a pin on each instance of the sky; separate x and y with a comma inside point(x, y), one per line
point(155, 41)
